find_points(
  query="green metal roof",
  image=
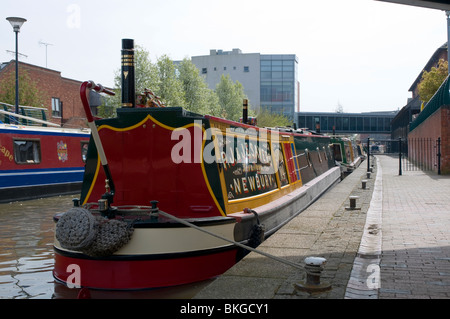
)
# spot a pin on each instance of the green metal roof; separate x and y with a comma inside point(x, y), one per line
point(440, 98)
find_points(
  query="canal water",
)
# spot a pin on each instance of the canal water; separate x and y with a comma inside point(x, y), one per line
point(26, 256)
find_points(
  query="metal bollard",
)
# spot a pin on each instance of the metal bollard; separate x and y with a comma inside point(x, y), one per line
point(352, 203)
point(364, 184)
point(313, 268)
point(368, 174)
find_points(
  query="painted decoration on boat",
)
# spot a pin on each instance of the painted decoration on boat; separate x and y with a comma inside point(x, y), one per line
point(248, 167)
point(62, 151)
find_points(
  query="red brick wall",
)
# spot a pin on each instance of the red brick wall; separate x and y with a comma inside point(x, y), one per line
point(437, 125)
point(52, 85)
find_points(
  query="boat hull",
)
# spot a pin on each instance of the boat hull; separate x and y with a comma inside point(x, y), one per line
point(161, 255)
point(20, 193)
point(134, 272)
point(40, 161)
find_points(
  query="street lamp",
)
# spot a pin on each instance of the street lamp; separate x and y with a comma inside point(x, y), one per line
point(16, 24)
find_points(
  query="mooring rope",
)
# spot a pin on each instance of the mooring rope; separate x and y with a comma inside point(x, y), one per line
point(184, 222)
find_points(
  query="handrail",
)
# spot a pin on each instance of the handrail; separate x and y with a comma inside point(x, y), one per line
point(84, 92)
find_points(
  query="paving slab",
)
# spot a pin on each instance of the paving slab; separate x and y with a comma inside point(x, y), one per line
point(395, 245)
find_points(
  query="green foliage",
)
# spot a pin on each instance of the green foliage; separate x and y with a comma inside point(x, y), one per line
point(231, 96)
point(169, 87)
point(29, 94)
point(107, 109)
point(182, 86)
point(267, 119)
point(431, 81)
point(198, 97)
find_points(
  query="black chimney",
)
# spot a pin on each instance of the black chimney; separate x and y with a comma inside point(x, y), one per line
point(128, 78)
point(245, 112)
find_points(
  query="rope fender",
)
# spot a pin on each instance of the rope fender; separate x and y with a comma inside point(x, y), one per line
point(95, 236)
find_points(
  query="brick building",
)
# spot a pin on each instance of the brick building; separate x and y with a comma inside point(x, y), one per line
point(400, 124)
point(433, 122)
point(61, 95)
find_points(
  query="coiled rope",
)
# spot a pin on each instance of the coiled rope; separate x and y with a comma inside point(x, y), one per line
point(96, 236)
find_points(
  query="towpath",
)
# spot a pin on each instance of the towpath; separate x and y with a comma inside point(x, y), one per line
point(395, 244)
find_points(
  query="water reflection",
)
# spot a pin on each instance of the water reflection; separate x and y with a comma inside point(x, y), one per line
point(26, 247)
point(26, 256)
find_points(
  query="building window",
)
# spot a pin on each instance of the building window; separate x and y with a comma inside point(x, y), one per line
point(27, 151)
point(366, 124)
point(204, 70)
point(359, 125)
point(224, 68)
point(353, 124)
point(373, 124)
point(215, 69)
point(246, 69)
point(331, 125)
point(56, 107)
point(387, 124)
point(345, 123)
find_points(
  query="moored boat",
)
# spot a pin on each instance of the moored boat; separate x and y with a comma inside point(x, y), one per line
point(39, 161)
point(347, 152)
point(169, 196)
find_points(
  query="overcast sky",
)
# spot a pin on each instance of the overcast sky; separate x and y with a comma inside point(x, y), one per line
point(361, 54)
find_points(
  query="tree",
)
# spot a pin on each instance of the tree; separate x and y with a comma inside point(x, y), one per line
point(198, 97)
point(267, 119)
point(231, 96)
point(29, 94)
point(432, 80)
point(339, 108)
point(184, 87)
point(169, 87)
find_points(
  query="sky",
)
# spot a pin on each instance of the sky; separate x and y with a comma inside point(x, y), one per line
point(360, 54)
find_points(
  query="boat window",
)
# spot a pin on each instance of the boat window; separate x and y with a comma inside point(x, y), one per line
point(337, 152)
point(84, 149)
point(27, 151)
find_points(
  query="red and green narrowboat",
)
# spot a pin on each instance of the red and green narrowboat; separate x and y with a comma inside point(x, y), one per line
point(150, 168)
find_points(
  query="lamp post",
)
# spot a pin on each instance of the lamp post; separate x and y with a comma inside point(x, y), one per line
point(16, 24)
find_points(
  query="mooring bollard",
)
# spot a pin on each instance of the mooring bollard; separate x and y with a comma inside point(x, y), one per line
point(364, 184)
point(368, 174)
point(352, 203)
point(313, 268)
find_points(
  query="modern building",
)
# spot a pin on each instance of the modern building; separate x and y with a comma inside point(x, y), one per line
point(269, 81)
point(371, 124)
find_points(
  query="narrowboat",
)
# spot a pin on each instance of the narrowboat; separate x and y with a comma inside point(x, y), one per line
point(347, 152)
point(39, 161)
point(169, 196)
